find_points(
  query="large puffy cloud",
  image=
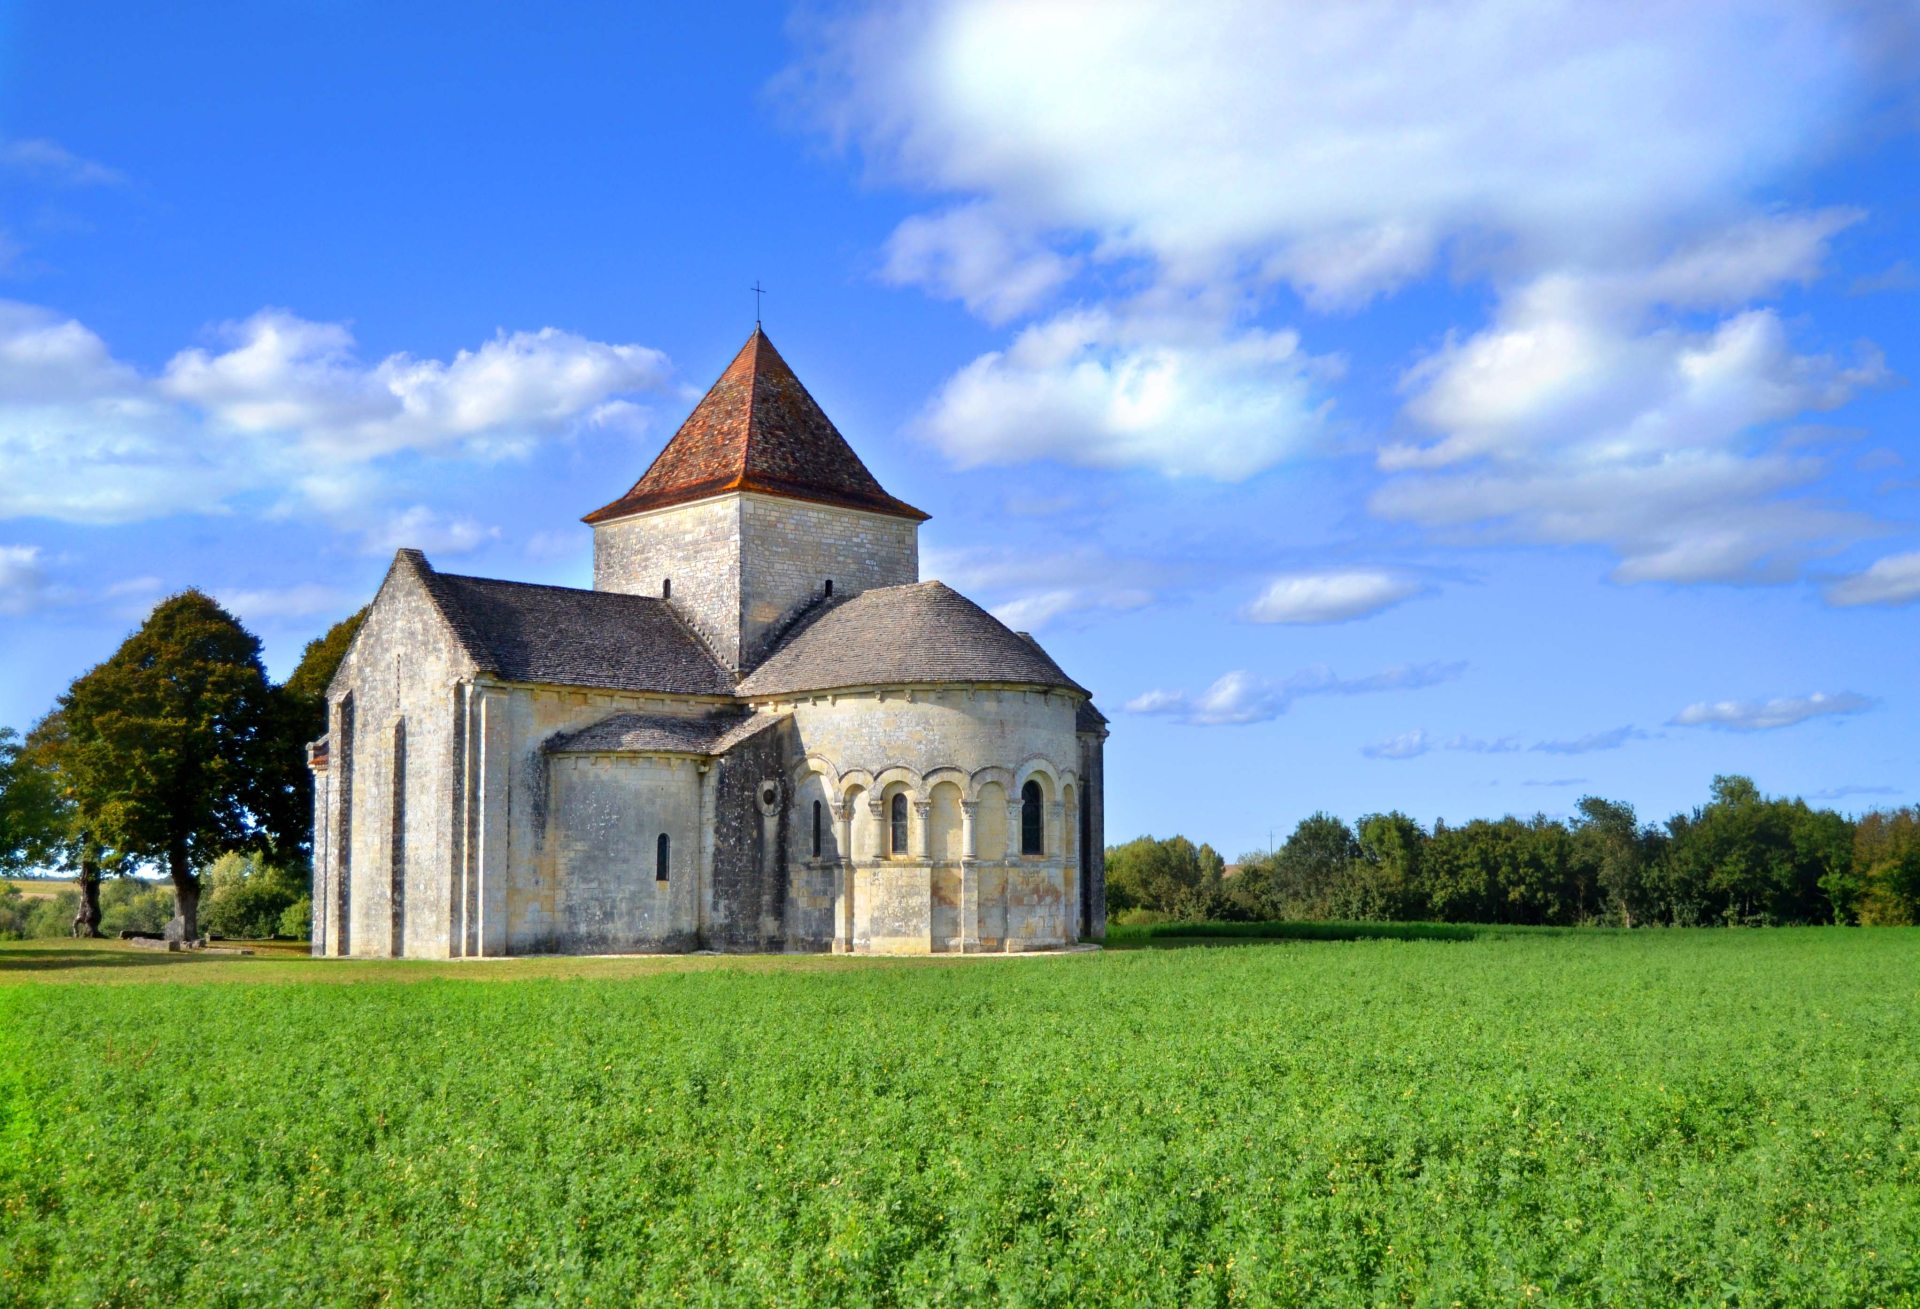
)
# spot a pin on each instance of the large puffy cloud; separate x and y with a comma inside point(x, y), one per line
point(1339, 145)
point(1609, 171)
point(1112, 390)
point(284, 403)
point(1579, 418)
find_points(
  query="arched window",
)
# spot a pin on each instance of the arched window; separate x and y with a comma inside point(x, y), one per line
point(829, 589)
point(666, 588)
point(816, 829)
point(1033, 824)
point(897, 824)
point(662, 854)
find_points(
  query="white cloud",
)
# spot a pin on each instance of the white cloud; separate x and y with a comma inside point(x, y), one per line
point(50, 161)
point(428, 530)
point(1027, 590)
point(23, 579)
point(1331, 597)
point(1406, 745)
point(1479, 745)
point(1106, 390)
point(1206, 135)
point(1762, 715)
point(1592, 741)
point(285, 407)
point(303, 600)
point(1894, 580)
point(1610, 171)
point(1241, 696)
point(967, 254)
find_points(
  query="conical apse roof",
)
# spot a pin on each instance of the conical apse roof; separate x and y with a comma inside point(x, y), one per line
point(757, 429)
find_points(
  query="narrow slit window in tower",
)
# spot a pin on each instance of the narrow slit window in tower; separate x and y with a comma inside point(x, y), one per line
point(666, 588)
point(816, 829)
point(662, 852)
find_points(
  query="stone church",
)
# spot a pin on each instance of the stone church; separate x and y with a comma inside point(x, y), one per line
point(759, 731)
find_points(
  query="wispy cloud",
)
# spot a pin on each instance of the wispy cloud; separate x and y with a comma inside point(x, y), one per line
point(50, 161)
point(23, 579)
point(1406, 745)
point(302, 600)
point(1029, 590)
point(1336, 596)
point(1419, 741)
point(1241, 697)
point(1894, 580)
point(1592, 741)
point(422, 528)
point(1848, 792)
point(1766, 715)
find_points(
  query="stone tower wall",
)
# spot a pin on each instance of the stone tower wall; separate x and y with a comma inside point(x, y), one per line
point(743, 565)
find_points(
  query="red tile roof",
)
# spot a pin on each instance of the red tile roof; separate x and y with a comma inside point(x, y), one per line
point(757, 429)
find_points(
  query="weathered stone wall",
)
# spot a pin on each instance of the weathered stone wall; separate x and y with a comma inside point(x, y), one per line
point(747, 901)
point(608, 814)
point(960, 758)
point(389, 879)
point(743, 565)
point(790, 549)
point(697, 547)
point(541, 907)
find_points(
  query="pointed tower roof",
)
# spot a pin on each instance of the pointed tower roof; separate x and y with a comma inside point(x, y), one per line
point(757, 429)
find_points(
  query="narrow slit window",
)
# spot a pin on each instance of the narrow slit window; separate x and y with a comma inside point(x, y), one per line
point(1032, 821)
point(666, 588)
point(816, 829)
point(662, 856)
point(899, 822)
point(829, 589)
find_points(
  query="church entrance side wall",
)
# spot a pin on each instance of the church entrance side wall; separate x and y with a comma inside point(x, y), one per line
point(389, 870)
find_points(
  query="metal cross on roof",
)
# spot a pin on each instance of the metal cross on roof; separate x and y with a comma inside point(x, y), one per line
point(758, 291)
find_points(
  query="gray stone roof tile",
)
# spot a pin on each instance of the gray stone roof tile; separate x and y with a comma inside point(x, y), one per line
point(560, 635)
point(661, 734)
point(925, 633)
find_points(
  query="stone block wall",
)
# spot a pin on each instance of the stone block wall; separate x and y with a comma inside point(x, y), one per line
point(744, 565)
point(789, 549)
point(697, 547)
point(386, 885)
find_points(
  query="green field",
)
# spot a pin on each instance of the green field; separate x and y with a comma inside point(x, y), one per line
point(1582, 1118)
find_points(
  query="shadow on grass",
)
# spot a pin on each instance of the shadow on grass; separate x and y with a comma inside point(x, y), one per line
point(27, 961)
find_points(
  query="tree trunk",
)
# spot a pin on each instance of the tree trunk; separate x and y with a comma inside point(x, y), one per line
point(86, 922)
point(186, 896)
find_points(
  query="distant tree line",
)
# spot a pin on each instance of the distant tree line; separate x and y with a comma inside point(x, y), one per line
point(177, 755)
point(1742, 858)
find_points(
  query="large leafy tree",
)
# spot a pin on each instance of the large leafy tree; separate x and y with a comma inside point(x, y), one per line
point(173, 744)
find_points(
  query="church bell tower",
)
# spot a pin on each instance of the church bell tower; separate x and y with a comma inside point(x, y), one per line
point(755, 511)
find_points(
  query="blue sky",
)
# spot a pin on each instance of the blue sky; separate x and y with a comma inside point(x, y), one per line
point(1453, 408)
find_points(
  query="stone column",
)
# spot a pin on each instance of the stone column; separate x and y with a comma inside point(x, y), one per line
point(1013, 880)
point(969, 879)
point(843, 877)
point(923, 829)
point(491, 862)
